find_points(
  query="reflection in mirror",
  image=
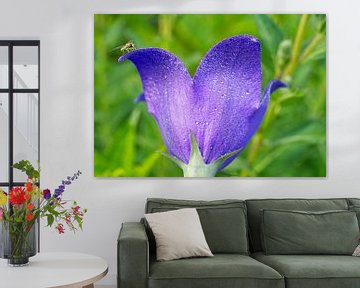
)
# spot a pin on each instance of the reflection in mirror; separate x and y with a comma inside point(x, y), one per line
point(4, 137)
point(6, 191)
point(26, 61)
point(4, 67)
point(26, 130)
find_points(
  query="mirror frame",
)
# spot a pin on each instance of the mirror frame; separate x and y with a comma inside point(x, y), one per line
point(10, 91)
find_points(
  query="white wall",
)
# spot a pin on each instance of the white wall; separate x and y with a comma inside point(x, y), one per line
point(65, 28)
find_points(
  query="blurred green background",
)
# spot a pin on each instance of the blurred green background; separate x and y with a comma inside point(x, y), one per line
point(292, 139)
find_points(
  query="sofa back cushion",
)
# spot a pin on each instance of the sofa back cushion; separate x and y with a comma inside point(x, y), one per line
point(223, 221)
point(255, 206)
point(354, 205)
point(353, 201)
point(298, 232)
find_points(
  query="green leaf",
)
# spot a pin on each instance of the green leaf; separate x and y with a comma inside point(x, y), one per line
point(296, 146)
point(318, 54)
point(130, 141)
point(50, 219)
point(79, 221)
point(145, 167)
point(321, 25)
point(283, 55)
point(53, 211)
point(28, 168)
point(270, 34)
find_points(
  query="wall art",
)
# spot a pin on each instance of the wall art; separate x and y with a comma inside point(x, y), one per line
point(210, 95)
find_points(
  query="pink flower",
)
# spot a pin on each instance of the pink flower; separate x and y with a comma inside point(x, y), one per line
point(1, 214)
point(60, 228)
point(68, 219)
point(76, 209)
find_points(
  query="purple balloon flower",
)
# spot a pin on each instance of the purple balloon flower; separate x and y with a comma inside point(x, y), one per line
point(207, 120)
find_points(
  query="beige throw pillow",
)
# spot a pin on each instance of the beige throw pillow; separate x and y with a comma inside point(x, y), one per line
point(178, 234)
point(357, 251)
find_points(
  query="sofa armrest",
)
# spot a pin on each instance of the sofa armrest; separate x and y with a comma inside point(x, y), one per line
point(133, 256)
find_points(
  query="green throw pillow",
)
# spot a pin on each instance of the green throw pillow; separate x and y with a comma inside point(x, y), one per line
point(299, 232)
point(357, 210)
point(225, 229)
point(224, 222)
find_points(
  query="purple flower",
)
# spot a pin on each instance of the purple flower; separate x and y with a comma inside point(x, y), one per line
point(207, 120)
point(46, 194)
point(61, 188)
point(58, 192)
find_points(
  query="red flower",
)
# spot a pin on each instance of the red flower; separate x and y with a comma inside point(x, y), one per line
point(60, 228)
point(29, 186)
point(27, 196)
point(17, 196)
point(29, 217)
point(29, 206)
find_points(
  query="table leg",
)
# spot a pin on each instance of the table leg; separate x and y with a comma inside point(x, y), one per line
point(89, 286)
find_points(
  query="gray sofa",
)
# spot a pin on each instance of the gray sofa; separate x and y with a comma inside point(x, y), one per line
point(233, 230)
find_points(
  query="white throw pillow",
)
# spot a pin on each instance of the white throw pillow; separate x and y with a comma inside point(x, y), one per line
point(357, 251)
point(178, 234)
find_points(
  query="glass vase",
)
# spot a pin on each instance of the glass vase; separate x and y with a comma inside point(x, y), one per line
point(18, 242)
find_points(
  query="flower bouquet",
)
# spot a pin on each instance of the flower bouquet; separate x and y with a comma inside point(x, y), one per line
point(21, 208)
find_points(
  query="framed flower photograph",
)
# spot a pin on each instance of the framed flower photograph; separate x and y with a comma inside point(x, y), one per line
point(210, 95)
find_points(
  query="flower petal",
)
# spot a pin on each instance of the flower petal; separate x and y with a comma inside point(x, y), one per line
point(167, 88)
point(140, 98)
point(227, 90)
point(254, 121)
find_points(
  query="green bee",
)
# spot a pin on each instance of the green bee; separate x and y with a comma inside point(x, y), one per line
point(126, 48)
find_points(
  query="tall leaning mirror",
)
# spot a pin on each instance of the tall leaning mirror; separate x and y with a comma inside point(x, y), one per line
point(19, 108)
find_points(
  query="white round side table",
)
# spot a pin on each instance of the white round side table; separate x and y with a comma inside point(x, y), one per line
point(60, 270)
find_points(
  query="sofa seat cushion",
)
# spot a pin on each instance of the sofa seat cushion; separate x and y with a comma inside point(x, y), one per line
point(313, 271)
point(222, 270)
